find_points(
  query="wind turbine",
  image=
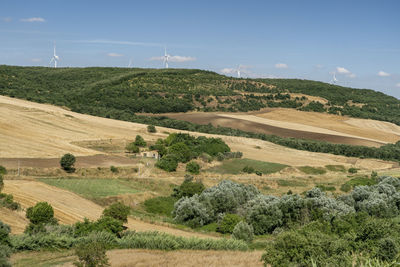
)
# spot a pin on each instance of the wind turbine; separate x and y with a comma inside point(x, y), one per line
point(166, 58)
point(130, 63)
point(55, 58)
point(334, 80)
point(238, 71)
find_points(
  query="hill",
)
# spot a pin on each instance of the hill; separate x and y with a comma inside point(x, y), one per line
point(121, 92)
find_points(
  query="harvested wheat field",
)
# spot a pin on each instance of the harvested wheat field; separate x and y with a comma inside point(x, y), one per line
point(69, 207)
point(15, 219)
point(300, 124)
point(32, 130)
point(184, 258)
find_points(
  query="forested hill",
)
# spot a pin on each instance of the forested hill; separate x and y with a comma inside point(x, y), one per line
point(121, 92)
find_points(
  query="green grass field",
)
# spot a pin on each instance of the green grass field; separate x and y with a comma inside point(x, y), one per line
point(92, 187)
point(235, 166)
point(312, 170)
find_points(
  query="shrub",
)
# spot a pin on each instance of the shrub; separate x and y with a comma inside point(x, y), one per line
point(193, 167)
point(206, 157)
point(1, 182)
point(91, 255)
point(228, 223)
point(117, 211)
point(67, 162)
point(139, 141)
point(220, 156)
point(3, 170)
point(181, 151)
point(5, 253)
point(151, 129)
point(168, 163)
point(41, 213)
point(106, 224)
point(188, 189)
point(345, 187)
point(248, 169)
point(4, 234)
point(352, 170)
point(114, 169)
point(132, 148)
point(243, 231)
point(191, 211)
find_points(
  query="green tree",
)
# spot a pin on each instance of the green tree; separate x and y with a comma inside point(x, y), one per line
point(228, 223)
point(91, 254)
point(132, 148)
point(139, 141)
point(168, 163)
point(117, 211)
point(193, 167)
point(243, 231)
point(67, 162)
point(42, 212)
point(3, 170)
point(181, 151)
point(151, 129)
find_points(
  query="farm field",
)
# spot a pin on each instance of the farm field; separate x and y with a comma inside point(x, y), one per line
point(40, 134)
point(140, 257)
point(301, 124)
point(235, 166)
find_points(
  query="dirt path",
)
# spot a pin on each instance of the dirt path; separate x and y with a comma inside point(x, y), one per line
point(70, 208)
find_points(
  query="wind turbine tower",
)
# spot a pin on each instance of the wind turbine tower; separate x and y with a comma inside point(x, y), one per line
point(334, 80)
point(238, 71)
point(55, 58)
point(166, 58)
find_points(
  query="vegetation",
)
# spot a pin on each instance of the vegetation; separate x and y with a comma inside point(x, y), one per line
point(139, 141)
point(132, 148)
point(193, 167)
point(312, 170)
point(3, 170)
point(5, 250)
point(67, 162)
point(228, 223)
point(160, 205)
point(91, 255)
point(243, 231)
point(188, 188)
point(236, 166)
point(151, 129)
point(117, 211)
point(39, 215)
point(94, 187)
point(335, 168)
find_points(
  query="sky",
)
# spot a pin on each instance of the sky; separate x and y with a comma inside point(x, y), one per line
point(358, 40)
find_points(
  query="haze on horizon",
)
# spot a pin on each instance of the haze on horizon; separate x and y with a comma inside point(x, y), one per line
point(359, 40)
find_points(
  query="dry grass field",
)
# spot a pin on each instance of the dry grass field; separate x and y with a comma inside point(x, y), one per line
point(144, 258)
point(68, 207)
point(43, 133)
point(300, 124)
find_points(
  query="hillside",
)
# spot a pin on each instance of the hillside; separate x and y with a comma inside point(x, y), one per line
point(121, 92)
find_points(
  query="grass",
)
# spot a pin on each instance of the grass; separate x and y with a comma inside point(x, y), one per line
point(312, 170)
point(282, 182)
point(235, 166)
point(326, 187)
point(335, 168)
point(356, 181)
point(43, 258)
point(160, 205)
point(92, 187)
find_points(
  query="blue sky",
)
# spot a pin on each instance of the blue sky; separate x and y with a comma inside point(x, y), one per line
point(357, 39)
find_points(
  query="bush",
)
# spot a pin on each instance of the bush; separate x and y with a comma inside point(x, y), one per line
point(3, 170)
point(228, 223)
point(188, 189)
point(67, 162)
point(193, 167)
point(91, 255)
point(168, 163)
point(41, 213)
point(117, 211)
point(243, 231)
point(191, 211)
point(4, 234)
point(114, 169)
point(220, 156)
point(248, 169)
point(1, 182)
point(139, 141)
point(181, 151)
point(352, 170)
point(106, 224)
point(132, 148)
point(151, 129)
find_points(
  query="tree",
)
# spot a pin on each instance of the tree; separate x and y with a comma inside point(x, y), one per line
point(1, 182)
point(5, 243)
point(193, 167)
point(243, 231)
point(132, 148)
point(67, 162)
point(91, 254)
point(42, 212)
point(181, 151)
point(168, 163)
point(117, 211)
point(139, 141)
point(3, 170)
point(228, 223)
point(151, 129)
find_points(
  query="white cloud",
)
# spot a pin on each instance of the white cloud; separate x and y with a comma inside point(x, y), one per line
point(281, 66)
point(7, 19)
point(398, 85)
point(114, 55)
point(36, 60)
point(342, 70)
point(383, 74)
point(34, 19)
point(178, 59)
